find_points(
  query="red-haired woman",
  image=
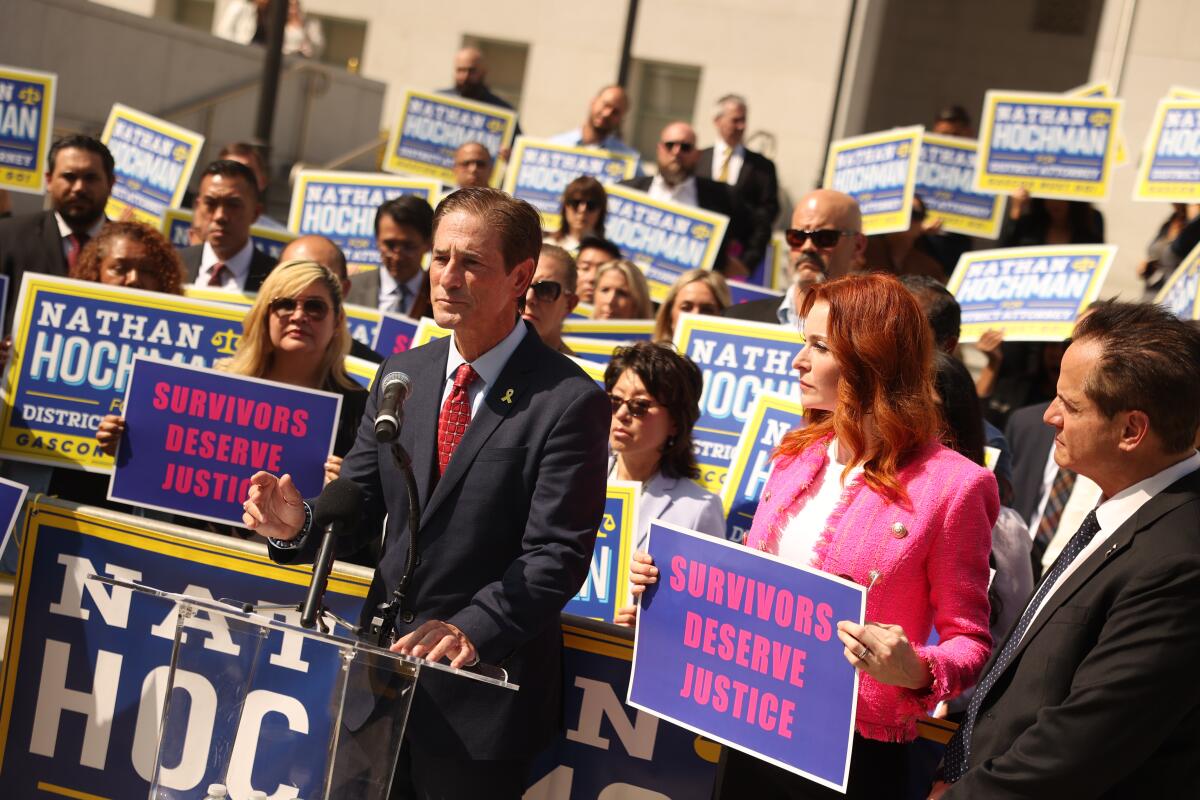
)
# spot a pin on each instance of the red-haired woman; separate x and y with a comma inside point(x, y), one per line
point(866, 491)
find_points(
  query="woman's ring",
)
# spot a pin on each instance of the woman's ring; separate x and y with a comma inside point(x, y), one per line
point(862, 654)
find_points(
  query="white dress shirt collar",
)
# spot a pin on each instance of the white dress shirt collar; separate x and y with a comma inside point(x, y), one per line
point(64, 230)
point(683, 193)
point(238, 266)
point(735, 161)
point(389, 288)
point(488, 366)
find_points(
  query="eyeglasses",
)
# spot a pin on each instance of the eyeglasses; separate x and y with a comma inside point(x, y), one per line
point(588, 205)
point(638, 407)
point(683, 147)
point(313, 307)
point(546, 291)
point(823, 237)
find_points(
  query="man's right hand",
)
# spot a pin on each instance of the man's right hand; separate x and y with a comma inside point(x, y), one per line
point(274, 507)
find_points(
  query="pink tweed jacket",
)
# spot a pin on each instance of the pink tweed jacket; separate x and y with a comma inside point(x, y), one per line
point(931, 560)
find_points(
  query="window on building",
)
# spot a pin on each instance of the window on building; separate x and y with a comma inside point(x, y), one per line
point(658, 93)
point(196, 14)
point(505, 63)
point(345, 40)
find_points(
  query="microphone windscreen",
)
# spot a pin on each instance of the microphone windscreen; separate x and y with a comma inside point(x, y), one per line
point(397, 377)
point(339, 500)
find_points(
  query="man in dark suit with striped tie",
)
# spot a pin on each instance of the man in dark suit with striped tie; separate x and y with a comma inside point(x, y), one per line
point(508, 441)
point(1093, 692)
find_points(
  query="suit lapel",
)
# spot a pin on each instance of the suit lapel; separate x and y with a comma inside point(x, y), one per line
point(1172, 497)
point(260, 266)
point(496, 405)
point(54, 246)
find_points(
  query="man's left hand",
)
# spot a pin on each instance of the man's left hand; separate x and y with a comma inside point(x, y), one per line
point(436, 640)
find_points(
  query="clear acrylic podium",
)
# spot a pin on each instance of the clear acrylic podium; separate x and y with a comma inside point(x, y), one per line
point(254, 703)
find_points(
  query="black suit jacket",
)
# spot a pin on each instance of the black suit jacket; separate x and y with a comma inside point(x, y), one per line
point(711, 196)
point(261, 265)
point(1101, 698)
point(505, 538)
point(1030, 440)
point(757, 190)
point(29, 243)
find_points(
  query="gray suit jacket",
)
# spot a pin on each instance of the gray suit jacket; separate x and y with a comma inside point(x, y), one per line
point(364, 291)
point(678, 501)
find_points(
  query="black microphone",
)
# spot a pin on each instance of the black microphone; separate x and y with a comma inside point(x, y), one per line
point(396, 388)
point(338, 503)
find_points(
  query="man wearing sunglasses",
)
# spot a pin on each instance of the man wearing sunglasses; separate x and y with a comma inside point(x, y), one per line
point(824, 242)
point(508, 441)
point(551, 296)
point(677, 182)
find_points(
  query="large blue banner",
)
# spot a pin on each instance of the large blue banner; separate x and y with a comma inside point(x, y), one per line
point(154, 162)
point(26, 125)
point(341, 206)
point(394, 334)
point(742, 647)
point(194, 437)
point(84, 661)
point(1051, 145)
point(539, 172)
point(739, 360)
point(1033, 294)
point(606, 587)
point(667, 239)
point(773, 415)
point(73, 349)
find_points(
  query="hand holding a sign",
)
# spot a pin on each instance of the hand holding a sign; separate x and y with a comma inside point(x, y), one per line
point(884, 653)
point(274, 508)
point(642, 573)
point(108, 435)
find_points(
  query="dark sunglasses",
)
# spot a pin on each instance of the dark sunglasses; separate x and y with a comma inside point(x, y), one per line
point(683, 147)
point(823, 238)
point(546, 291)
point(313, 307)
point(588, 205)
point(637, 408)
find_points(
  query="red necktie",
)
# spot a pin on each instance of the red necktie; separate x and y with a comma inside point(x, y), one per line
point(217, 275)
point(456, 415)
point(75, 243)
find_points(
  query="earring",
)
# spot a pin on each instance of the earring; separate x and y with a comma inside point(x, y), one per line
point(669, 443)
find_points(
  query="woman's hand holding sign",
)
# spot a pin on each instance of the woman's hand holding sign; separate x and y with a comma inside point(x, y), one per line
point(274, 507)
point(884, 653)
point(642, 573)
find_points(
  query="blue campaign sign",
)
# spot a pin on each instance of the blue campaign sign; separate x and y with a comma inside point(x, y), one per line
point(610, 749)
point(879, 171)
point(606, 587)
point(945, 181)
point(432, 126)
point(747, 292)
point(394, 334)
point(742, 647)
point(1033, 294)
point(83, 661)
point(193, 437)
point(1181, 293)
point(154, 162)
point(773, 415)
point(26, 126)
point(739, 360)
point(1052, 145)
point(73, 349)
point(539, 171)
point(667, 239)
point(341, 206)
point(1170, 164)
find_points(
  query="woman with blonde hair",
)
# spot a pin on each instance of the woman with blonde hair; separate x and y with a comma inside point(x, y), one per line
point(697, 291)
point(621, 292)
point(295, 333)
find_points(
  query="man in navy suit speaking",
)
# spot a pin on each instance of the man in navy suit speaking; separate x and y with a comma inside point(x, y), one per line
point(508, 442)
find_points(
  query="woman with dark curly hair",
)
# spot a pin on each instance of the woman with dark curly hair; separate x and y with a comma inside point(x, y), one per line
point(584, 204)
point(131, 254)
point(655, 394)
